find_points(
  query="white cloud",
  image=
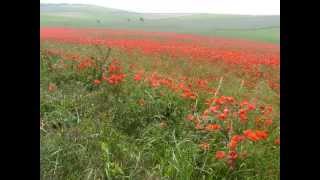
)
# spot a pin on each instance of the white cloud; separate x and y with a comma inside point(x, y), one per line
point(174, 6)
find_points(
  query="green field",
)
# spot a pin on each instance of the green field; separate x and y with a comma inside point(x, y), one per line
point(261, 28)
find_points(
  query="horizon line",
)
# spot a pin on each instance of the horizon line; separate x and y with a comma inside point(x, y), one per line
point(162, 12)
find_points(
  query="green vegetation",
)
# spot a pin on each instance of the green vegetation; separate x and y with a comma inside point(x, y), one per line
point(262, 28)
point(102, 131)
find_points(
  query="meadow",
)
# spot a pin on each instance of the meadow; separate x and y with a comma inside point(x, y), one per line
point(131, 104)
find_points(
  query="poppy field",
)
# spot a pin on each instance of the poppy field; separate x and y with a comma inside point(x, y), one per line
point(129, 104)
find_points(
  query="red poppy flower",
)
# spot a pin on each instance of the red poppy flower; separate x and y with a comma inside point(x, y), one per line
point(268, 122)
point(97, 82)
point(251, 135)
point(235, 140)
point(212, 127)
point(232, 155)
point(226, 111)
point(220, 154)
point(116, 79)
point(138, 76)
point(222, 116)
point(261, 134)
point(214, 109)
point(251, 107)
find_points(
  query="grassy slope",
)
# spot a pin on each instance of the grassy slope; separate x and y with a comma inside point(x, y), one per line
point(263, 28)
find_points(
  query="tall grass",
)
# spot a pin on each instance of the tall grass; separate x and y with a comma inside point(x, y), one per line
point(102, 131)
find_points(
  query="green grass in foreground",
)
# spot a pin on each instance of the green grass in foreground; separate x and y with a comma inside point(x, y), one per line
point(91, 132)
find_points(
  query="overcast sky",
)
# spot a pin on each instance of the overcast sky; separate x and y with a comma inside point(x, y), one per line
point(254, 7)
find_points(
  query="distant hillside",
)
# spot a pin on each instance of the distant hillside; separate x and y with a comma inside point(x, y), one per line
point(263, 28)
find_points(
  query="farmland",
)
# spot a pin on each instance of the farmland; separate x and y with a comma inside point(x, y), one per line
point(258, 28)
point(133, 104)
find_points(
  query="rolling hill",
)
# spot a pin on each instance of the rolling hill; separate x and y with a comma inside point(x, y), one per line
point(261, 28)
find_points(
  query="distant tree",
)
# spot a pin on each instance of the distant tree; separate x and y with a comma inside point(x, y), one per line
point(141, 19)
point(128, 19)
point(98, 21)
